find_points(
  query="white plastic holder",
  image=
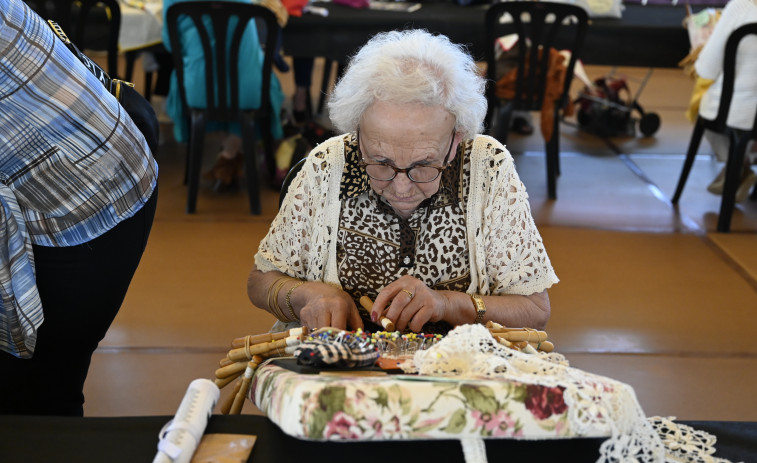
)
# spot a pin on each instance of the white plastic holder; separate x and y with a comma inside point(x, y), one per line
point(180, 437)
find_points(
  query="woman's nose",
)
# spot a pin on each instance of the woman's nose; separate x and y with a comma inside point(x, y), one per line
point(402, 182)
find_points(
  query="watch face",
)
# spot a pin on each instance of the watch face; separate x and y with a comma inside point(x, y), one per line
point(600, 6)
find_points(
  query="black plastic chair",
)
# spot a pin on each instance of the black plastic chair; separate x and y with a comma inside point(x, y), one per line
point(288, 179)
point(542, 25)
point(131, 59)
point(84, 21)
point(738, 138)
point(223, 102)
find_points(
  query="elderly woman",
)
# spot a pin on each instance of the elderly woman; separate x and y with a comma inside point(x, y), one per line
point(409, 207)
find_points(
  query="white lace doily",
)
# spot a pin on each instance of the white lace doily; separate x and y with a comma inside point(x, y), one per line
point(596, 404)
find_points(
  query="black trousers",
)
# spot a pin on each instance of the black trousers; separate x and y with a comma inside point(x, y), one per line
point(81, 288)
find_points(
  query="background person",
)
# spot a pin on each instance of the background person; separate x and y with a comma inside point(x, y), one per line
point(709, 65)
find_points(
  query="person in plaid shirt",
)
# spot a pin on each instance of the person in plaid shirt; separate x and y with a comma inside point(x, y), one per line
point(78, 188)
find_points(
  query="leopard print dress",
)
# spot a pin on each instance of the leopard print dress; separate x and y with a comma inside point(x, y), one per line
point(375, 246)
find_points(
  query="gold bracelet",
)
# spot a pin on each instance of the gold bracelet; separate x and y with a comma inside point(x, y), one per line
point(270, 293)
point(289, 301)
point(273, 302)
point(480, 307)
point(284, 317)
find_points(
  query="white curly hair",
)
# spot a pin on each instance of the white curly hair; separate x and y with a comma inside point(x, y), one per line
point(411, 66)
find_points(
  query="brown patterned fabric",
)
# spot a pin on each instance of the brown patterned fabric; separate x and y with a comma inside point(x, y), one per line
point(375, 246)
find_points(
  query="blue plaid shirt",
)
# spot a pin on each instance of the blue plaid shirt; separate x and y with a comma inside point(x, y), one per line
point(69, 153)
point(76, 162)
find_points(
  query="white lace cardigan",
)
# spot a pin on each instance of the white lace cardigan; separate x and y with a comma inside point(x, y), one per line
point(507, 255)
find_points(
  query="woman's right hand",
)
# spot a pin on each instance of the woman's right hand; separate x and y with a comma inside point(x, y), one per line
point(321, 304)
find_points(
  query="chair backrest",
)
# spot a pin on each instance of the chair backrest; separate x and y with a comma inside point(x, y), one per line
point(288, 179)
point(76, 18)
point(213, 19)
point(729, 77)
point(542, 25)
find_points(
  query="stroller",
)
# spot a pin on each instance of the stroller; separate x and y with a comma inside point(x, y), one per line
point(605, 108)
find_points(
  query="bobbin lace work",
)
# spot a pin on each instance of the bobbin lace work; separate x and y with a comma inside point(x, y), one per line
point(597, 405)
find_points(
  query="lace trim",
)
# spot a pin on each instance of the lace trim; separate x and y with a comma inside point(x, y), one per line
point(597, 405)
point(684, 443)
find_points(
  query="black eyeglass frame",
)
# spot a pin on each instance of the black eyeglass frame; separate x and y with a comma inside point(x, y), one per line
point(406, 170)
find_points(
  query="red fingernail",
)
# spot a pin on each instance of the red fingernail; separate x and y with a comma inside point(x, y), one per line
point(374, 317)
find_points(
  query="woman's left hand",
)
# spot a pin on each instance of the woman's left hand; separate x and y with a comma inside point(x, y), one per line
point(409, 303)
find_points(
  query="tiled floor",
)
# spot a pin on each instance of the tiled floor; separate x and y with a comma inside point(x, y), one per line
point(648, 295)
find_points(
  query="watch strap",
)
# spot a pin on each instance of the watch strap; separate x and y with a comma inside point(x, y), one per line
point(480, 307)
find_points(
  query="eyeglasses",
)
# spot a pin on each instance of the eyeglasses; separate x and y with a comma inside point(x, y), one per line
point(417, 173)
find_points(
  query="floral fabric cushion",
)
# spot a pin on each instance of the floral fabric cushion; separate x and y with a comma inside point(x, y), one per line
point(470, 388)
point(349, 407)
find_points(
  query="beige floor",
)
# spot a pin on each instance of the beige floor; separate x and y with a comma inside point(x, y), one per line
point(648, 295)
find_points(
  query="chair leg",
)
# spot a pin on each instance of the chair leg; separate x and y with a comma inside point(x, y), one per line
point(556, 140)
point(696, 138)
point(131, 56)
point(324, 85)
point(308, 104)
point(148, 85)
point(194, 159)
point(753, 196)
point(249, 140)
point(501, 119)
point(113, 65)
point(325, 82)
point(269, 147)
point(552, 158)
point(733, 167)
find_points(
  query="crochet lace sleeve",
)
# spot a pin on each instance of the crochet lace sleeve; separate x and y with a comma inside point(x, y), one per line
point(516, 260)
point(297, 240)
point(282, 247)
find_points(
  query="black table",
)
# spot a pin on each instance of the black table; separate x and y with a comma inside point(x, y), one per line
point(29, 439)
point(649, 36)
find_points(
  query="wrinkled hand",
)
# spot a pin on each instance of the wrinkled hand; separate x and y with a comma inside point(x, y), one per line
point(409, 303)
point(327, 305)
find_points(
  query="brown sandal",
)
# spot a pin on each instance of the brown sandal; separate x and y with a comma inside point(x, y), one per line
point(225, 173)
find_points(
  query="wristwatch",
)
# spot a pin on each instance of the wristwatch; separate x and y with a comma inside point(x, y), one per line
point(478, 303)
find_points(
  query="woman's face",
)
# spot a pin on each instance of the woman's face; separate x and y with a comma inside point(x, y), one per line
point(403, 136)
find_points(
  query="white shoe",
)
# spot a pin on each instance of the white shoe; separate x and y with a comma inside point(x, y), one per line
point(716, 187)
point(747, 182)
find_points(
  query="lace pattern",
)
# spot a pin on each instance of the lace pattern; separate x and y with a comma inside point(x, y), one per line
point(684, 443)
point(597, 405)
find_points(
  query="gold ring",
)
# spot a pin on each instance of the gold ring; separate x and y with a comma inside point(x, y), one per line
point(409, 293)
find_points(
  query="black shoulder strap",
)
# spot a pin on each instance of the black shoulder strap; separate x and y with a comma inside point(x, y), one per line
point(136, 106)
point(112, 85)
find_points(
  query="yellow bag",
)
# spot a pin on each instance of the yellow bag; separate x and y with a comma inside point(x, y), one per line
point(290, 150)
point(700, 87)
